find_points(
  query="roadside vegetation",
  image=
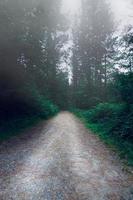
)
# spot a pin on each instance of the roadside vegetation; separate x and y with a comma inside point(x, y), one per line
point(21, 115)
point(32, 85)
point(114, 125)
point(103, 79)
point(48, 63)
point(113, 121)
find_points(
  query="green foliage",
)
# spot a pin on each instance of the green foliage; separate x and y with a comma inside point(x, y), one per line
point(123, 147)
point(114, 125)
point(13, 127)
point(92, 51)
point(116, 119)
point(105, 111)
point(46, 108)
point(23, 110)
point(42, 107)
point(124, 85)
point(30, 85)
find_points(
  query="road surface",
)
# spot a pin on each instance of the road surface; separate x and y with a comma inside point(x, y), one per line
point(61, 160)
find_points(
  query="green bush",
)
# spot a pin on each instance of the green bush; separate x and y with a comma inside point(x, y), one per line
point(104, 112)
point(114, 119)
point(27, 108)
point(16, 126)
point(113, 123)
point(125, 127)
point(46, 108)
point(124, 86)
point(40, 105)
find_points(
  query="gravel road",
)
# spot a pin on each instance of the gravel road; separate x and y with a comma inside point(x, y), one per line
point(61, 160)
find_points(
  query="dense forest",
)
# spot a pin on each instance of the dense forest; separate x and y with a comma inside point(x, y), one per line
point(34, 84)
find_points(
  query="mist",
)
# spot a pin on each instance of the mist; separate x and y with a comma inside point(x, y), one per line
point(66, 99)
point(123, 11)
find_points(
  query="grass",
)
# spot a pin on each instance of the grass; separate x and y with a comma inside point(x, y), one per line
point(123, 147)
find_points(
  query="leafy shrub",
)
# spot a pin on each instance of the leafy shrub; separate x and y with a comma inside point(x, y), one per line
point(113, 123)
point(125, 127)
point(124, 85)
point(114, 119)
point(105, 111)
point(46, 108)
point(13, 127)
point(39, 105)
point(26, 108)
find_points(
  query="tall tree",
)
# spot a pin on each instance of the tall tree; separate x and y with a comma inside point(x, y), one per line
point(95, 27)
point(30, 50)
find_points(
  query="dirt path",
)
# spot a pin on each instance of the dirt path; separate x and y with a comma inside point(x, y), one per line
point(60, 160)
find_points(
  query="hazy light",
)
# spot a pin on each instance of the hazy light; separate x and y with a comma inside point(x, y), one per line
point(71, 6)
point(123, 11)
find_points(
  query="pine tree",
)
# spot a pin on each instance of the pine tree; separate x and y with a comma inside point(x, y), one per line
point(95, 27)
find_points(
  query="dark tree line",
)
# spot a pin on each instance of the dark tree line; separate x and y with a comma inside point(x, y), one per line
point(31, 36)
point(101, 55)
point(92, 43)
point(102, 84)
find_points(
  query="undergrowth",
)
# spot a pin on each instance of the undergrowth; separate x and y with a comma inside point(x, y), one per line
point(113, 124)
point(16, 122)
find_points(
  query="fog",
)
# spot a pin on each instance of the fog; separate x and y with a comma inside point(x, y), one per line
point(122, 10)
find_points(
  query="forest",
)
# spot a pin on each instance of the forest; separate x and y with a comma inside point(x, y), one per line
point(48, 64)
